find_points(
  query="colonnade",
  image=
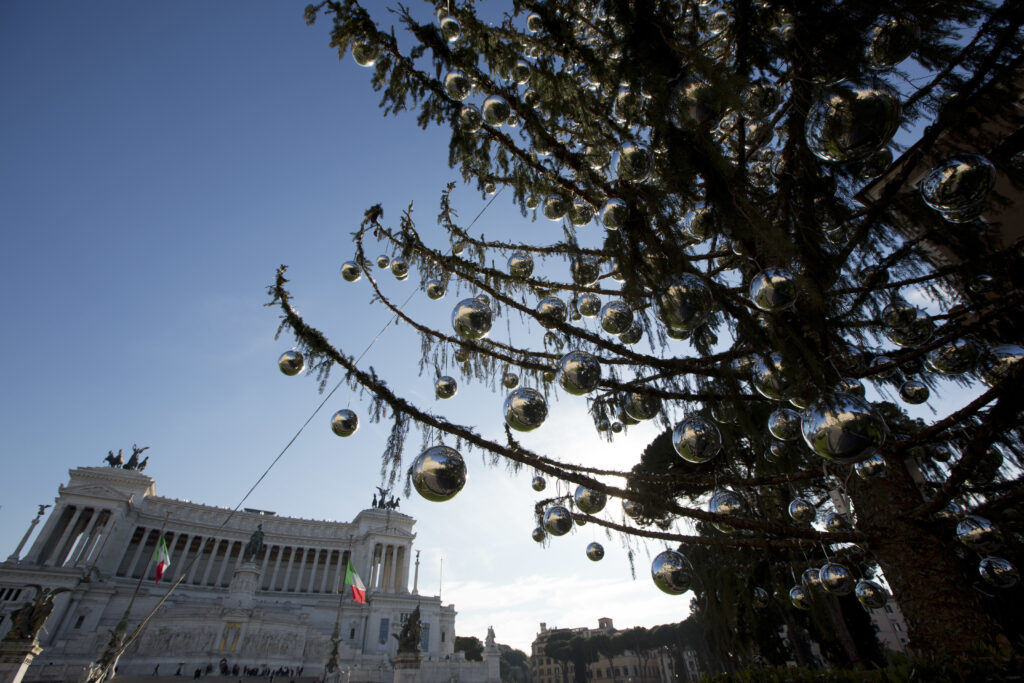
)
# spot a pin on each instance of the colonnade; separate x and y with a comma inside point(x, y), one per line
point(74, 537)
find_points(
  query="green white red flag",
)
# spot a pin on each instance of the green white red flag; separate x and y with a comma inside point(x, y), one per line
point(162, 558)
point(352, 579)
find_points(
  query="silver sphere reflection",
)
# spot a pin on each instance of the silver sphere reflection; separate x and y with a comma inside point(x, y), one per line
point(539, 534)
point(871, 467)
point(534, 23)
point(439, 473)
point(999, 572)
point(471, 319)
point(555, 207)
point(811, 579)
point(451, 29)
point(557, 520)
point(496, 110)
point(510, 380)
point(585, 270)
point(635, 162)
point(686, 303)
point(579, 372)
point(445, 387)
point(760, 598)
point(696, 440)
point(364, 53)
point(773, 289)
point(769, 377)
point(520, 265)
point(914, 392)
point(470, 118)
point(435, 289)
point(979, 534)
point(958, 187)
point(672, 572)
point(614, 214)
point(457, 85)
point(588, 304)
point(383, 261)
point(580, 212)
point(871, 594)
point(953, 358)
point(551, 311)
point(291, 363)
point(350, 271)
point(850, 124)
point(616, 317)
point(842, 428)
point(784, 424)
point(538, 483)
point(802, 511)
point(344, 423)
point(998, 362)
point(399, 268)
point(891, 42)
point(525, 409)
point(835, 522)
point(642, 406)
point(595, 551)
point(836, 578)
point(631, 336)
point(588, 500)
point(726, 502)
point(799, 598)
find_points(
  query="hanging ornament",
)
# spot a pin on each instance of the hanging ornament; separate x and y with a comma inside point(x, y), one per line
point(579, 372)
point(768, 377)
point(438, 473)
point(773, 290)
point(871, 467)
point(588, 304)
point(997, 362)
point(672, 572)
point(999, 572)
point(842, 428)
point(802, 511)
point(539, 534)
point(641, 406)
point(538, 483)
point(551, 311)
point(979, 534)
point(836, 578)
point(557, 520)
point(703, 224)
point(891, 42)
point(811, 580)
point(914, 332)
point(521, 72)
point(958, 187)
point(580, 212)
point(470, 118)
point(435, 289)
point(595, 551)
point(534, 23)
point(635, 163)
point(585, 270)
point(510, 380)
point(496, 110)
point(616, 317)
point(631, 336)
point(784, 424)
point(471, 319)
point(914, 392)
point(835, 522)
point(876, 164)
point(364, 53)
point(759, 598)
point(525, 409)
point(399, 268)
point(383, 261)
point(291, 363)
point(953, 358)
point(871, 594)
point(344, 423)
point(799, 598)
point(633, 509)
point(589, 501)
point(617, 427)
point(457, 85)
point(350, 271)
point(696, 440)
point(685, 304)
point(445, 387)
point(451, 29)
point(614, 214)
point(726, 502)
point(982, 283)
point(603, 425)
point(850, 124)
point(555, 207)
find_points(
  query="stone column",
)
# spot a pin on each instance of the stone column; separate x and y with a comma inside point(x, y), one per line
point(58, 548)
point(407, 667)
point(15, 658)
point(24, 539)
point(130, 572)
point(87, 537)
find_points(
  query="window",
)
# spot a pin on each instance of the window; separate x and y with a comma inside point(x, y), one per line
point(442, 636)
point(352, 634)
point(888, 609)
point(425, 644)
point(896, 627)
point(79, 620)
point(382, 637)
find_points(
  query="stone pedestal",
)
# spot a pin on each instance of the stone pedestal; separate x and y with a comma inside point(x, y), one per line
point(15, 658)
point(244, 582)
point(407, 667)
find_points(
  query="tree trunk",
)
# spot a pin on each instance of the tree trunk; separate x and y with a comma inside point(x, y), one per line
point(843, 636)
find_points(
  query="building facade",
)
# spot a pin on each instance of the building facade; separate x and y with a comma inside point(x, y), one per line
point(276, 609)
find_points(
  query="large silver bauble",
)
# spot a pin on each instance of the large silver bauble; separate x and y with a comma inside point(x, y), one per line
point(953, 358)
point(350, 271)
point(557, 520)
point(438, 473)
point(958, 187)
point(579, 372)
point(696, 440)
point(802, 511)
point(581, 212)
point(555, 207)
point(914, 392)
point(521, 72)
point(799, 597)
point(631, 336)
point(383, 261)
point(686, 303)
point(850, 124)
point(871, 467)
point(997, 362)
point(892, 42)
point(635, 163)
point(551, 311)
point(345, 422)
point(525, 409)
point(399, 268)
point(811, 579)
point(836, 578)
point(784, 424)
point(589, 501)
point(616, 317)
point(585, 270)
point(773, 289)
point(614, 214)
point(364, 53)
point(595, 551)
point(870, 594)
point(842, 428)
point(999, 572)
point(588, 304)
point(769, 377)
point(539, 534)
point(913, 333)
point(979, 534)
point(470, 118)
point(538, 483)
point(640, 406)
point(496, 110)
point(520, 265)
point(451, 29)
point(291, 363)
point(760, 598)
point(435, 289)
point(457, 85)
point(534, 23)
point(471, 319)
point(726, 502)
point(445, 387)
point(672, 572)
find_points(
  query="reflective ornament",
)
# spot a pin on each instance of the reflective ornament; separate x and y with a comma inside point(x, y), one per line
point(579, 372)
point(914, 392)
point(614, 214)
point(914, 332)
point(633, 509)
point(555, 207)
point(291, 363)
point(451, 29)
point(951, 511)
point(997, 362)
point(603, 425)
point(588, 304)
point(836, 578)
point(589, 501)
point(580, 212)
point(810, 579)
point(631, 336)
point(461, 355)
point(557, 520)
point(595, 551)
point(799, 598)
point(696, 440)
point(726, 502)
point(802, 511)
point(445, 387)
point(703, 224)
point(532, 202)
point(982, 283)
point(870, 594)
point(850, 124)
point(979, 534)
point(457, 85)
point(784, 424)
point(438, 473)
point(768, 377)
point(999, 572)
point(549, 375)
point(399, 268)
point(617, 427)
point(849, 385)
point(350, 271)
point(520, 265)
point(510, 380)
point(953, 358)
point(616, 317)
point(672, 572)
point(539, 534)
point(496, 110)
point(759, 598)
point(489, 188)
point(364, 53)
point(551, 311)
point(958, 187)
point(940, 452)
point(892, 42)
point(773, 289)
point(471, 319)
point(685, 304)
point(534, 23)
point(521, 72)
point(835, 522)
point(344, 423)
point(635, 163)
point(538, 483)
point(435, 289)
point(871, 467)
point(842, 428)
point(761, 99)
point(383, 261)
point(525, 409)
point(585, 270)
point(640, 406)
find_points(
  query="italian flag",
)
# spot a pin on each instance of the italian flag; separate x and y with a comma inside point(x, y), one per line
point(162, 559)
point(352, 579)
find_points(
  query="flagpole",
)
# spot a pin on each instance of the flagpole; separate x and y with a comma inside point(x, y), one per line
point(332, 661)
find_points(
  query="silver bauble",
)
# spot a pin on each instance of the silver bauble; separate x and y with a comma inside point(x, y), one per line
point(870, 594)
point(471, 319)
point(958, 187)
point(383, 261)
point(997, 362)
point(759, 598)
point(672, 572)
point(457, 85)
point(534, 23)
point(538, 483)
point(769, 377)
point(616, 317)
point(982, 283)
point(555, 207)
point(438, 473)
point(588, 304)
point(892, 42)
point(525, 409)
point(598, 157)
point(557, 520)
point(850, 124)
point(835, 522)
point(496, 110)
point(799, 598)
point(914, 392)
point(641, 406)
point(954, 357)
point(914, 332)
point(876, 164)
point(585, 270)
point(849, 385)
point(579, 372)
point(521, 72)
point(580, 212)
point(445, 387)
point(871, 467)
point(400, 268)
point(999, 572)
point(784, 424)
point(614, 214)
point(842, 428)
point(595, 551)
point(510, 380)
point(802, 511)
point(631, 336)
point(345, 422)
point(588, 500)
point(603, 425)
point(539, 534)
point(291, 363)
point(811, 579)
point(899, 314)
point(364, 53)
point(635, 163)
point(979, 534)
point(703, 224)
point(836, 578)
point(773, 289)
point(551, 311)
point(451, 29)
point(350, 271)
point(696, 440)
point(877, 365)
point(685, 304)
point(435, 289)
point(726, 502)
point(461, 355)
point(617, 427)
point(489, 188)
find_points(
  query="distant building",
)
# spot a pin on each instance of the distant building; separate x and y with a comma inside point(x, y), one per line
point(277, 610)
point(890, 626)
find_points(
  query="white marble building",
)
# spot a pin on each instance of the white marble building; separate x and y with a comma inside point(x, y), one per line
point(278, 610)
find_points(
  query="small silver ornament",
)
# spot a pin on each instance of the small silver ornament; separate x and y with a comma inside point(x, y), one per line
point(595, 551)
point(672, 572)
point(470, 118)
point(451, 29)
point(769, 377)
point(836, 578)
point(616, 317)
point(291, 363)
point(685, 304)
point(585, 270)
point(538, 483)
point(364, 53)
point(399, 268)
point(525, 409)
point(496, 110)
point(617, 427)
point(557, 520)
point(696, 439)
point(979, 534)
point(579, 372)
point(520, 265)
point(521, 72)
point(954, 357)
point(580, 212)
point(383, 261)
point(849, 385)
point(633, 509)
point(510, 380)
point(773, 290)
point(589, 501)
point(471, 319)
point(438, 473)
point(784, 424)
point(703, 224)
point(871, 467)
point(445, 387)
point(811, 579)
point(842, 428)
point(555, 207)
point(760, 598)
point(871, 594)
point(959, 186)
point(345, 422)
point(914, 392)
point(835, 522)
point(891, 42)
point(802, 511)
point(999, 572)
point(534, 23)
point(588, 304)
point(641, 406)
point(350, 271)
point(603, 425)
point(539, 534)
point(726, 502)
point(461, 355)
point(851, 124)
point(457, 85)
point(614, 214)
point(435, 289)
point(631, 336)
point(997, 362)
point(551, 311)
point(799, 598)
point(635, 163)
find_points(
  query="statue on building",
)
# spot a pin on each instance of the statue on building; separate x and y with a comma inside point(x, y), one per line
point(42, 509)
point(489, 642)
point(28, 620)
point(133, 461)
point(255, 545)
point(381, 501)
point(114, 461)
point(411, 634)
